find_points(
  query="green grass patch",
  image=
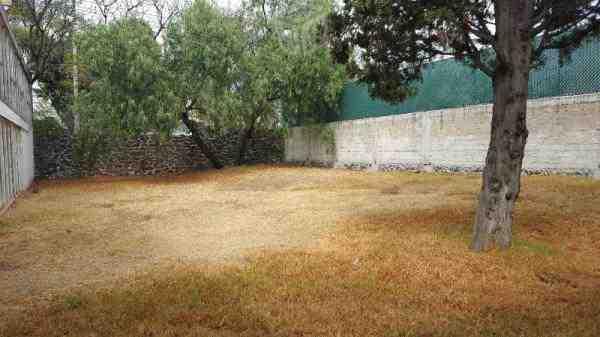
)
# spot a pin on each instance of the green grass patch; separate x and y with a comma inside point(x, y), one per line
point(534, 247)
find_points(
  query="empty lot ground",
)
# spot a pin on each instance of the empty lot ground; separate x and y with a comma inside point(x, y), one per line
point(280, 251)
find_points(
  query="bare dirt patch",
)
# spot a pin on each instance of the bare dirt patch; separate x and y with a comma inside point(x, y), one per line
point(77, 232)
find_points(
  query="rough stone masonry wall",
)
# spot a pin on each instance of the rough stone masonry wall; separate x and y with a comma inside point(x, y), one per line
point(564, 137)
point(147, 156)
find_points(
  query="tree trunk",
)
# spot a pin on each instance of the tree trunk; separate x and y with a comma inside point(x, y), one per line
point(244, 140)
point(200, 138)
point(502, 173)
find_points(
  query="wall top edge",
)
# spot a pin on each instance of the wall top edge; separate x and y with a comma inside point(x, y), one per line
point(531, 103)
point(11, 116)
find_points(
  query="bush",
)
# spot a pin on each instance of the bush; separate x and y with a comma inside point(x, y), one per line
point(48, 127)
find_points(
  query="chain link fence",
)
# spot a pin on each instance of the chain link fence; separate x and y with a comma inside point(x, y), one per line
point(451, 84)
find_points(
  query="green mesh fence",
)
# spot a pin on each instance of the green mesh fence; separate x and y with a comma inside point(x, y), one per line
point(451, 84)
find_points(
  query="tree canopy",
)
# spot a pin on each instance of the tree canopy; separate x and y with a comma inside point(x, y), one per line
point(126, 86)
point(262, 67)
point(44, 29)
point(392, 39)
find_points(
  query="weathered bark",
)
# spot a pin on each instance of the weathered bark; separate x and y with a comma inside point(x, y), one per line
point(200, 138)
point(502, 173)
point(245, 137)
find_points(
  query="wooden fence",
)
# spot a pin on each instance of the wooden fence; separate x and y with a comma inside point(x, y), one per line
point(16, 132)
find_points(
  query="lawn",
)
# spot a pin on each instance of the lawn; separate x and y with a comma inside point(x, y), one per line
point(288, 251)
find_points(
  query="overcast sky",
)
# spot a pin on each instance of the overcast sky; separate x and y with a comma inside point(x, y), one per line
point(89, 9)
point(229, 3)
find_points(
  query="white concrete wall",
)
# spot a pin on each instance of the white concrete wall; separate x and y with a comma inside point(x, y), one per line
point(27, 160)
point(16, 161)
point(564, 137)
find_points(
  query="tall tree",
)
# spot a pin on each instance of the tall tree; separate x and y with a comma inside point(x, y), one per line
point(243, 71)
point(126, 87)
point(286, 71)
point(125, 91)
point(158, 13)
point(203, 49)
point(44, 30)
point(504, 39)
point(106, 11)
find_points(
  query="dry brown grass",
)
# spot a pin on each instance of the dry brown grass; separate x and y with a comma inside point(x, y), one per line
point(343, 254)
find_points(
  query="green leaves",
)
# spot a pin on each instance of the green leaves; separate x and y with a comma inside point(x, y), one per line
point(264, 64)
point(227, 71)
point(203, 51)
point(302, 83)
point(394, 38)
point(128, 94)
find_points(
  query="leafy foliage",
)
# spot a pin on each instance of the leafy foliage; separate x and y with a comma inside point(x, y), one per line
point(259, 68)
point(127, 92)
point(254, 66)
point(48, 127)
point(386, 42)
point(203, 49)
point(265, 66)
point(292, 57)
point(43, 30)
point(314, 86)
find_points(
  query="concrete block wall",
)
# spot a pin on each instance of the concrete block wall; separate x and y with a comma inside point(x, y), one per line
point(564, 137)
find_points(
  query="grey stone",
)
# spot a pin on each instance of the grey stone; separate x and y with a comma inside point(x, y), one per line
point(145, 156)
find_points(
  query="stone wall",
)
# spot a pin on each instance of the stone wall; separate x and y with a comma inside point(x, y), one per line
point(564, 138)
point(144, 156)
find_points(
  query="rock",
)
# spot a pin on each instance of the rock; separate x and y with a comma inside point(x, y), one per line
point(427, 168)
point(146, 156)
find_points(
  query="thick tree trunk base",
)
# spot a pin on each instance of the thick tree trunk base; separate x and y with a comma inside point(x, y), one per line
point(201, 140)
point(245, 139)
point(504, 161)
point(493, 223)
